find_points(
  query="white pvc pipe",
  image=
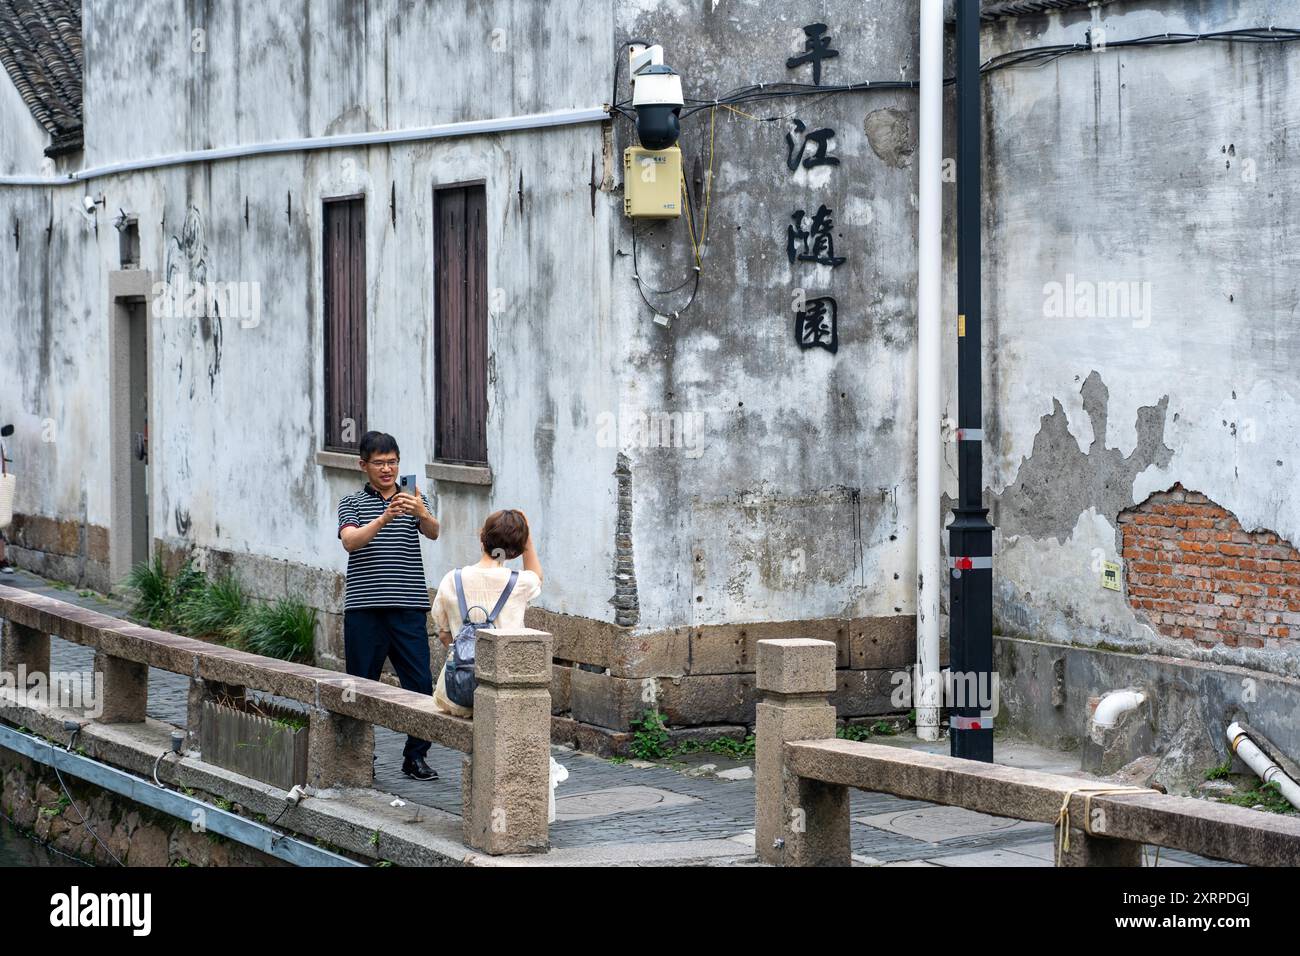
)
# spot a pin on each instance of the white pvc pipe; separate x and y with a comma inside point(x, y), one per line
point(1259, 762)
point(503, 124)
point(929, 370)
point(1114, 705)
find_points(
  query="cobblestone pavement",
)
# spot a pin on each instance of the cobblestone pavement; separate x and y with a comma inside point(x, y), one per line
point(634, 802)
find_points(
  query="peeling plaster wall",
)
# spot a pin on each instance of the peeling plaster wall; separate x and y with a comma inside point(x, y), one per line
point(1169, 168)
point(238, 415)
point(784, 491)
point(795, 498)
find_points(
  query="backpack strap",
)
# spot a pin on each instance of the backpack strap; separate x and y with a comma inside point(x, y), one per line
point(460, 598)
point(505, 596)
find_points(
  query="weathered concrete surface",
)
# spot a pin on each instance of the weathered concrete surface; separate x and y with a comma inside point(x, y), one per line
point(508, 779)
point(1216, 830)
point(340, 751)
point(125, 689)
point(333, 69)
point(23, 646)
point(763, 510)
point(796, 822)
point(1045, 690)
point(1162, 197)
point(796, 667)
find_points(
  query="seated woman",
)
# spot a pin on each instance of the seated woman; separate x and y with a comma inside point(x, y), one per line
point(504, 535)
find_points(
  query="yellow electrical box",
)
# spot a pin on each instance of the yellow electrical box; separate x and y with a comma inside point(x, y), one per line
point(652, 182)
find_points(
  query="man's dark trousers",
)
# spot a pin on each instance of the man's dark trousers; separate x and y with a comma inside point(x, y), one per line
point(371, 634)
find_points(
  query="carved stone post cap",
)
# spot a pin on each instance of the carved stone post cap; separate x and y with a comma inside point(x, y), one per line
point(797, 665)
point(513, 658)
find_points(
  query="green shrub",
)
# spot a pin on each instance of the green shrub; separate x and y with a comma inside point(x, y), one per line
point(150, 587)
point(285, 629)
point(156, 596)
point(1219, 772)
point(649, 737)
point(1266, 795)
point(733, 748)
point(217, 608)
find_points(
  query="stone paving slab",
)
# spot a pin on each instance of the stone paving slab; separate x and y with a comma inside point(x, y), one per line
point(939, 823)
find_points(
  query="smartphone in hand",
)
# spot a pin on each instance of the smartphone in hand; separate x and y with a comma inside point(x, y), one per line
point(406, 485)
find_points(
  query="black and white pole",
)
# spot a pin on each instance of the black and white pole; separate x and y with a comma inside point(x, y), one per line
point(970, 536)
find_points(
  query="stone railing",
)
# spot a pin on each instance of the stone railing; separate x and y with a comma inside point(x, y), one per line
point(803, 774)
point(506, 779)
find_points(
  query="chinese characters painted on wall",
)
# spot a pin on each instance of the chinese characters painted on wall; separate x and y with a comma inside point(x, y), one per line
point(814, 244)
point(817, 47)
point(816, 325)
point(811, 238)
point(819, 138)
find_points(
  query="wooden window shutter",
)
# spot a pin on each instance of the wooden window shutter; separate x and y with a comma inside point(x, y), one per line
point(460, 271)
point(345, 323)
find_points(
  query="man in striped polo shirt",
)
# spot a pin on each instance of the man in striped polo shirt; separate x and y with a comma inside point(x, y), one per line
point(387, 598)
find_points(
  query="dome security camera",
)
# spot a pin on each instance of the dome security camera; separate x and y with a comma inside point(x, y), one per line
point(657, 99)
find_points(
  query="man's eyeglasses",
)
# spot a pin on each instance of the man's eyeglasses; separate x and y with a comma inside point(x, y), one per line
point(385, 465)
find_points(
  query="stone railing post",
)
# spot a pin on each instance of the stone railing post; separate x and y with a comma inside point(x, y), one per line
point(124, 693)
point(23, 649)
point(797, 822)
point(340, 750)
point(1092, 849)
point(508, 775)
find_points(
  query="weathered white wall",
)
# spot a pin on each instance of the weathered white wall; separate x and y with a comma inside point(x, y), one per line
point(272, 71)
point(794, 499)
point(22, 139)
point(237, 418)
point(798, 500)
point(1165, 166)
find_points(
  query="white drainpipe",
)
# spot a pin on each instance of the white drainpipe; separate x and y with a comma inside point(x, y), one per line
point(929, 371)
point(502, 124)
point(1259, 762)
point(1115, 705)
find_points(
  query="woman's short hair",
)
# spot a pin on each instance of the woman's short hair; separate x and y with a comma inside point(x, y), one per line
point(504, 534)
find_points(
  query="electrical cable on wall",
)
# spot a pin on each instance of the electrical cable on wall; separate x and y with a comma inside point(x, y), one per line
point(767, 92)
point(75, 730)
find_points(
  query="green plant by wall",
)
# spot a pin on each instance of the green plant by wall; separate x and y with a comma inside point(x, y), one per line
point(649, 736)
point(285, 629)
point(57, 810)
point(1219, 772)
point(731, 747)
point(216, 608)
point(1265, 795)
point(157, 596)
point(879, 728)
point(188, 603)
point(651, 741)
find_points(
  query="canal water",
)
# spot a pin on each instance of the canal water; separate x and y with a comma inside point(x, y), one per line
point(19, 850)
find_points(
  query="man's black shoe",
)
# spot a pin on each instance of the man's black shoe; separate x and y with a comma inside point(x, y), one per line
point(417, 769)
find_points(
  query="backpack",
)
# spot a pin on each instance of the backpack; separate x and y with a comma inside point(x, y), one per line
point(460, 680)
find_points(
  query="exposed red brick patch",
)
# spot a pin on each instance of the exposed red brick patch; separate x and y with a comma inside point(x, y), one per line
point(1193, 572)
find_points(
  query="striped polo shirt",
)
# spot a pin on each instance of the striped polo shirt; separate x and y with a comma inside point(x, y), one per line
point(389, 570)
